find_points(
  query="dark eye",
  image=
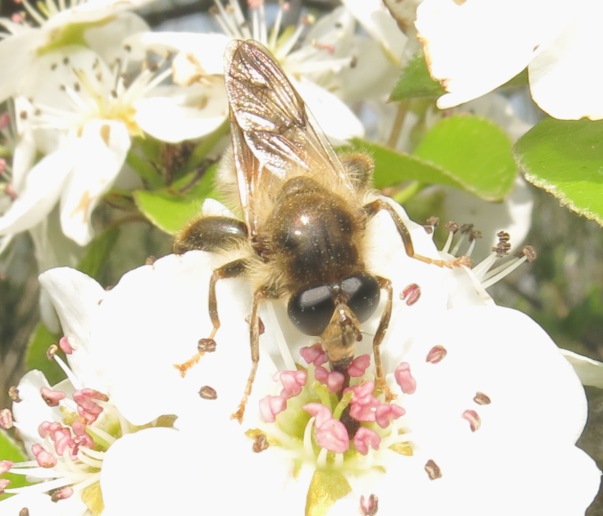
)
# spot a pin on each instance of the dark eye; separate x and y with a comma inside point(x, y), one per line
point(311, 310)
point(363, 295)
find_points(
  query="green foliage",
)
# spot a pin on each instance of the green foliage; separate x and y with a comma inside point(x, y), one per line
point(9, 450)
point(98, 252)
point(565, 158)
point(415, 81)
point(463, 151)
point(172, 207)
point(41, 339)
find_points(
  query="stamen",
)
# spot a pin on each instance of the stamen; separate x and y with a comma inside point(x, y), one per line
point(370, 506)
point(405, 379)
point(473, 419)
point(433, 470)
point(13, 394)
point(436, 354)
point(6, 419)
point(260, 443)
point(481, 399)
point(452, 228)
point(411, 294)
point(527, 254)
point(208, 393)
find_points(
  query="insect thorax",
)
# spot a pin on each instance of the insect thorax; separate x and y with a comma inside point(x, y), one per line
point(314, 234)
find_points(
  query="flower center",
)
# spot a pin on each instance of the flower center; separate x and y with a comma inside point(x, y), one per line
point(68, 457)
point(330, 425)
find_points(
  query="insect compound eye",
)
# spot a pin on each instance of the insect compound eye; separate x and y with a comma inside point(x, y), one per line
point(363, 295)
point(311, 310)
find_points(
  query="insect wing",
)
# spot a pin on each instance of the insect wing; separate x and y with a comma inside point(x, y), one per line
point(274, 135)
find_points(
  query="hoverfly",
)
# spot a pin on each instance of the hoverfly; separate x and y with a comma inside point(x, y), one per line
point(305, 216)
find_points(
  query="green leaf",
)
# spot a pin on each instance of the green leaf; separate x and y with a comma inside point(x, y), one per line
point(171, 208)
point(416, 81)
point(475, 151)
point(10, 450)
point(393, 167)
point(41, 339)
point(98, 252)
point(463, 151)
point(565, 158)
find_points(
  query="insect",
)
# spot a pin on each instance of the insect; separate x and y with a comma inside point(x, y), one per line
point(305, 212)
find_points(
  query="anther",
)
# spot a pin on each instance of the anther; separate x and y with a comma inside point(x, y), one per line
point(430, 224)
point(206, 345)
point(13, 394)
point(528, 252)
point(452, 226)
point(208, 393)
point(4, 483)
point(6, 419)
point(473, 419)
point(436, 354)
point(405, 379)
point(24, 512)
point(481, 399)
point(369, 506)
point(65, 346)
point(61, 494)
point(466, 229)
point(411, 294)
point(51, 397)
point(433, 470)
point(260, 443)
point(51, 351)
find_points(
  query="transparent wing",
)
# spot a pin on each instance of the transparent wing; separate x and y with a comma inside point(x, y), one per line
point(274, 136)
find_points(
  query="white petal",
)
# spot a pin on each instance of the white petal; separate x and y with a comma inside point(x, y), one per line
point(590, 371)
point(42, 505)
point(566, 78)
point(107, 39)
point(197, 54)
point(32, 409)
point(153, 319)
point(177, 113)
point(98, 157)
point(474, 46)
point(40, 193)
point(76, 298)
point(380, 24)
point(535, 394)
point(333, 116)
point(153, 457)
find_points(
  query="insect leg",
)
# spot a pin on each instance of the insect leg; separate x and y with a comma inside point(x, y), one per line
point(230, 270)
point(254, 330)
point(374, 207)
point(380, 384)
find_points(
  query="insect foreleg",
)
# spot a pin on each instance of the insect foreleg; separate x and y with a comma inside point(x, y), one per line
point(386, 285)
point(374, 207)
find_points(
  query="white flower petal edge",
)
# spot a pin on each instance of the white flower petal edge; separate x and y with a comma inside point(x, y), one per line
point(473, 47)
point(566, 78)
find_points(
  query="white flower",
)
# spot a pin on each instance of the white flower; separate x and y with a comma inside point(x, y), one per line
point(47, 27)
point(313, 53)
point(473, 47)
point(468, 425)
point(83, 116)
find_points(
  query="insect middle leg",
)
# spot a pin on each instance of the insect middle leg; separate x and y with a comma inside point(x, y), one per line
point(374, 207)
point(232, 269)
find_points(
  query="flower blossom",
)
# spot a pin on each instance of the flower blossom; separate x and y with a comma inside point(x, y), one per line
point(83, 115)
point(473, 47)
point(458, 422)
